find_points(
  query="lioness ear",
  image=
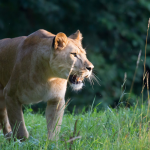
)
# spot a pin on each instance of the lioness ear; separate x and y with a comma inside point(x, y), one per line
point(76, 36)
point(60, 41)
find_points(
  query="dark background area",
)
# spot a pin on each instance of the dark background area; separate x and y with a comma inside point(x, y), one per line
point(114, 32)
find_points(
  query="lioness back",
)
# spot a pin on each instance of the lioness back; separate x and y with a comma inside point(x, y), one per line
point(10, 47)
point(8, 54)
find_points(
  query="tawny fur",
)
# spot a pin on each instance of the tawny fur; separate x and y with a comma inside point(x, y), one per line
point(31, 70)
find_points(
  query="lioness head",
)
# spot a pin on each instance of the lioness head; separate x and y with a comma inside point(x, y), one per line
point(69, 59)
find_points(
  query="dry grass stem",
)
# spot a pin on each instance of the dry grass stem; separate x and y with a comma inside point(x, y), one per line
point(71, 70)
point(67, 102)
point(125, 77)
point(144, 76)
point(143, 88)
point(146, 47)
point(70, 140)
point(137, 64)
point(148, 85)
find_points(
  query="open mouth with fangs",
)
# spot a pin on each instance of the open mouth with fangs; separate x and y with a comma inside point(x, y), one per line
point(76, 82)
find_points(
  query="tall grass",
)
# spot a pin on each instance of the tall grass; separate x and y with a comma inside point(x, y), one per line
point(112, 129)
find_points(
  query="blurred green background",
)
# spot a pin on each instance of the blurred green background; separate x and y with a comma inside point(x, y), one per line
point(114, 32)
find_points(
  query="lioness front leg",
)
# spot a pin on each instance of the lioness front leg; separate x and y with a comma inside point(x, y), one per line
point(54, 115)
point(16, 120)
point(4, 123)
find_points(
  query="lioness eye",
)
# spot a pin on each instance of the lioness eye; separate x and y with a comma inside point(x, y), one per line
point(74, 54)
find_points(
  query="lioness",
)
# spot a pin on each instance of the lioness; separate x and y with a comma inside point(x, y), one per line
point(36, 68)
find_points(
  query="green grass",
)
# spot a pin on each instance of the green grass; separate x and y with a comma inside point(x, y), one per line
point(112, 129)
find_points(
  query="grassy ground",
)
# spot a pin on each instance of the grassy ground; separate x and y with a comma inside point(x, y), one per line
point(112, 129)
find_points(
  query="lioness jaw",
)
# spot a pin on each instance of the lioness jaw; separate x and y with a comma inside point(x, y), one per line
point(37, 68)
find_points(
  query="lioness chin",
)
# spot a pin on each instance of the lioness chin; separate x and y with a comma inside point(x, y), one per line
point(37, 68)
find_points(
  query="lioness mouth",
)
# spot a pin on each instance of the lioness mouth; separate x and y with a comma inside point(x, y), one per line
point(75, 80)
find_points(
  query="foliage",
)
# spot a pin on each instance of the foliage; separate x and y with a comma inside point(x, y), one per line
point(113, 31)
point(123, 129)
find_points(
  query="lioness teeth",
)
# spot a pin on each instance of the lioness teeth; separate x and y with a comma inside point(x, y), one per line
point(79, 79)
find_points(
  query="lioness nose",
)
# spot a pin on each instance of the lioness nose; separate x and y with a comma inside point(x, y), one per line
point(90, 67)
